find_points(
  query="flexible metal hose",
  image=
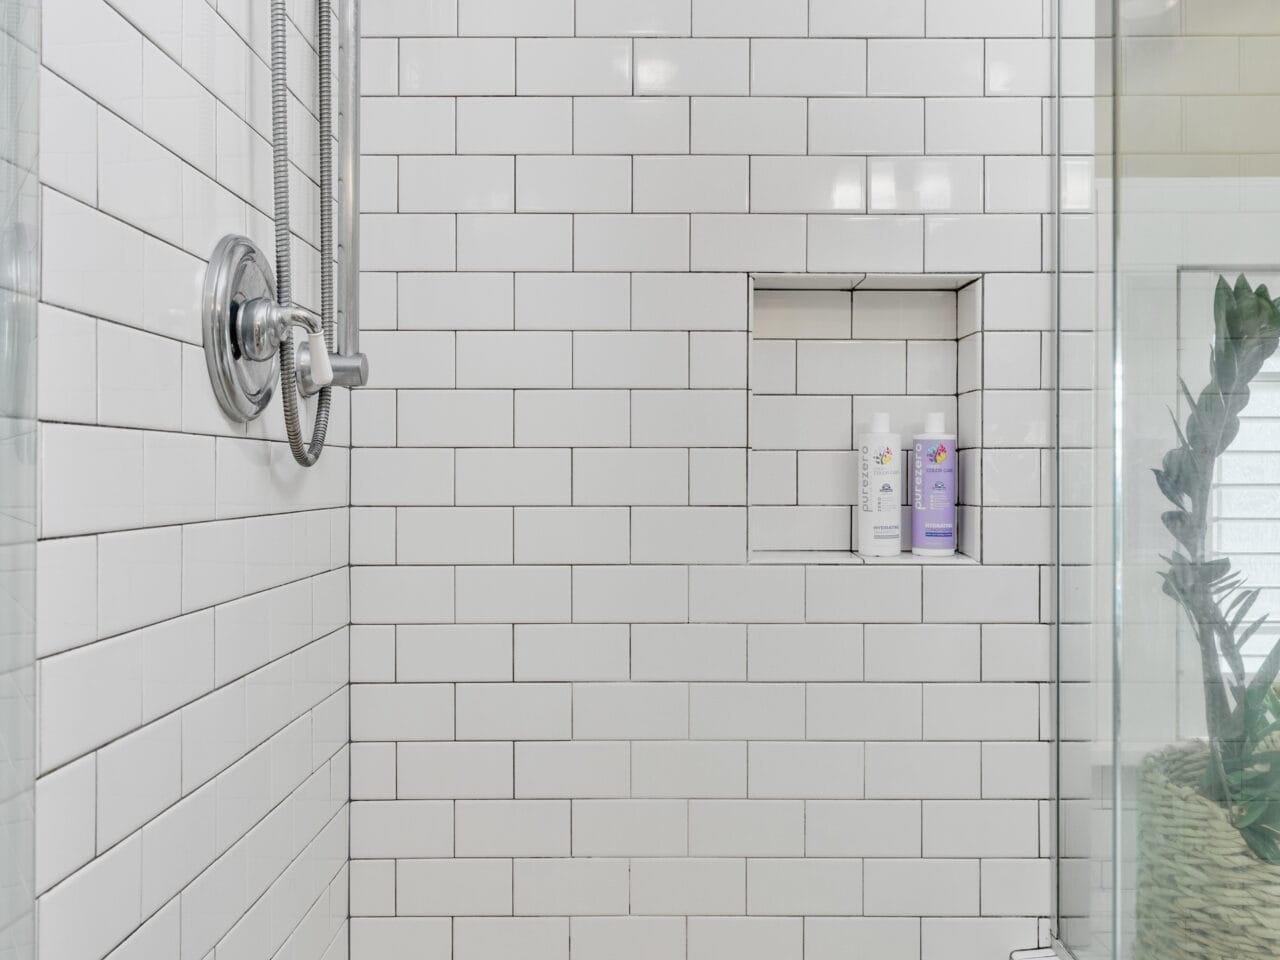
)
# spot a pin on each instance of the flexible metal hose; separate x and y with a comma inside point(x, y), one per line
point(306, 454)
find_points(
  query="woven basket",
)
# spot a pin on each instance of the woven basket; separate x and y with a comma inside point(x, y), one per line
point(1201, 893)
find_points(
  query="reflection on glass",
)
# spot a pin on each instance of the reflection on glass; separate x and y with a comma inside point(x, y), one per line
point(1169, 761)
point(19, 61)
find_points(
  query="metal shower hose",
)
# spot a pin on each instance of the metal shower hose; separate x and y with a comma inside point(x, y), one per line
point(306, 454)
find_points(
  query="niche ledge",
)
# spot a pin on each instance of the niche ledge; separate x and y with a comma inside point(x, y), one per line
point(827, 351)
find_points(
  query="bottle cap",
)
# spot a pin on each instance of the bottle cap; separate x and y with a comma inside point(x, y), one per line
point(879, 423)
point(935, 423)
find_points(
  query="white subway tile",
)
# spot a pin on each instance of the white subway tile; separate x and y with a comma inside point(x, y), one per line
point(862, 828)
point(453, 535)
point(691, 184)
point(67, 366)
point(537, 938)
point(402, 711)
point(688, 535)
point(562, 418)
point(456, 301)
point(465, 184)
point(401, 828)
point(746, 18)
point(742, 242)
point(986, 18)
point(866, 126)
point(89, 697)
point(582, 770)
point(888, 938)
point(693, 67)
point(684, 418)
point(647, 594)
point(1018, 68)
point(407, 241)
point(746, 828)
point(746, 711)
point(866, 18)
point(515, 125)
point(919, 68)
point(572, 301)
point(808, 184)
point(631, 242)
point(538, 18)
point(573, 184)
point(449, 653)
point(451, 67)
point(631, 125)
point(515, 360)
point(571, 535)
point(688, 886)
point(809, 652)
point(573, 652)
point(925, 184)
point(688, 652)
point(69, 141)
point(805, 770)
point(911, 771)
point(401, 594)
point(921, 887)
point(746, 594)
point(688, 302)
point(583, 887)
point(394, 477)
point(630, 477)
point(751, 938)
point(612, 18)
point(681, 769)
point(454, 770)
point(390, 18)
point(452, 888)
point(513, 594)
point(408, 125)
point(977, 125)
point(815, 887)
point(553, 67)
point(632, 360)
point(397, 937)
point(515, 242)
point(514, 477)
point(139, 578)
point(863, 711)
point(738, 125)
point(889, 244)
point(809, 68)
point(65, 809)
point(512, 828)
point(630, 711)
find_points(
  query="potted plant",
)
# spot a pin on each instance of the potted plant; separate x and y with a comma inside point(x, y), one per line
point(1208, 883)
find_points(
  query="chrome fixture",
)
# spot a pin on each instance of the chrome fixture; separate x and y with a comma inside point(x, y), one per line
point(350, 366)
point(249, 315)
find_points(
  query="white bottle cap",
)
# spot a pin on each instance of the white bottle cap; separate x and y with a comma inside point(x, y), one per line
point(935, 423)
point(879, 423)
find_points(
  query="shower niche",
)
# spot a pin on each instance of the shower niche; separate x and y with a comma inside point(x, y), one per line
point(827, 352)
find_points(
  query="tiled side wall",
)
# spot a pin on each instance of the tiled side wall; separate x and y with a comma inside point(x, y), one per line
point(193, 582)
point(582, 725)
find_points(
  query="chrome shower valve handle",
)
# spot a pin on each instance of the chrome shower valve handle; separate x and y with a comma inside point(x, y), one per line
point(263, 326)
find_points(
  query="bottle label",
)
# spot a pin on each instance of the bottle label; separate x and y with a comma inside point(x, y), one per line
point(933, 495)
point(878, 493)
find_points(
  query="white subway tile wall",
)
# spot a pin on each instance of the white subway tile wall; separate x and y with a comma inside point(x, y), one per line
point(192, 581)
point(583, 723)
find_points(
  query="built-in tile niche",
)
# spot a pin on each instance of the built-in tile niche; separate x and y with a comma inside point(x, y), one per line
point(827, 353)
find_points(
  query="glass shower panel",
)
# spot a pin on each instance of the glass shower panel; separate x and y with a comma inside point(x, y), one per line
point(19, 38)
point(1185, 557)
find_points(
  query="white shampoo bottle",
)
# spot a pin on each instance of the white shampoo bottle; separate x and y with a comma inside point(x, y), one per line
point(879, 500)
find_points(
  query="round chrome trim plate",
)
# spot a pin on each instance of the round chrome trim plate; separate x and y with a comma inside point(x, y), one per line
point(238, 272)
